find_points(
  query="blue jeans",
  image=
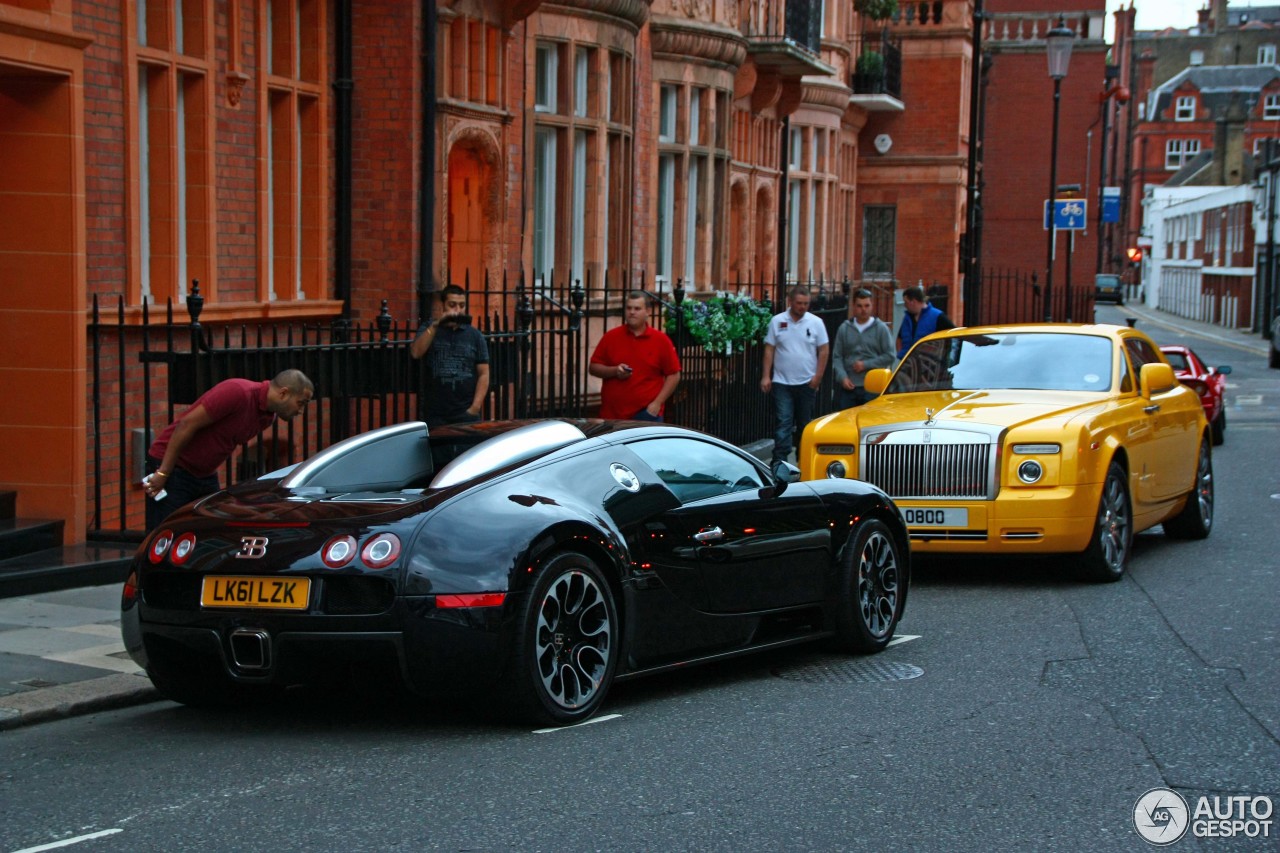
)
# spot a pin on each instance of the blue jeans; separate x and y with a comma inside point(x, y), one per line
point(848, 399)
point(793, 404)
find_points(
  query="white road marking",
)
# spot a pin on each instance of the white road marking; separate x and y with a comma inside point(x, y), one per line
point(903, 638)
point(67, 842)
point(1248, 399)
point(589, 722)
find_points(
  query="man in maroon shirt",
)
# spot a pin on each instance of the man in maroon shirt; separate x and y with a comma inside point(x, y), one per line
point(183, 461)
point(637, 364)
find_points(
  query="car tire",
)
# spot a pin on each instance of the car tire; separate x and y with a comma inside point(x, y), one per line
point(1107, 556)
point(1274, 358)
point(565, 651)
point(1195, 520)
point(1219, 425)
point(873, 589)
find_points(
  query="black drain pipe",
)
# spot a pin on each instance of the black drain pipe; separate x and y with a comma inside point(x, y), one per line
point(427, 196)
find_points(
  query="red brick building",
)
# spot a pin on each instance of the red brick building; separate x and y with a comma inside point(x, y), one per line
point(1017, 139)
point(278, 152)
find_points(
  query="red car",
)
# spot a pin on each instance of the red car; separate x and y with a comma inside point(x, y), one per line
point(1209, 382)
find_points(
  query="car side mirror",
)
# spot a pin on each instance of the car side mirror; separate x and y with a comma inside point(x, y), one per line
point(1224, 369)
point(1155, 379)
point(876, 380)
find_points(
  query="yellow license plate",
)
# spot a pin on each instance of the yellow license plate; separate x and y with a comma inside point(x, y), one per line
point(262, 593)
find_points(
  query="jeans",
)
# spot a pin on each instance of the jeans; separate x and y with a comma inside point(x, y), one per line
point(182, 488)
point(793, 404)
point(643, 415)
point(848, 399)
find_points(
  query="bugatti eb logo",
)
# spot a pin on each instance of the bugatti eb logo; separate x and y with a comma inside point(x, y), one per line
point(252, 548)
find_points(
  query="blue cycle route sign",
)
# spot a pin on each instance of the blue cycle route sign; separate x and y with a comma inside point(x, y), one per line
point(1069, 214)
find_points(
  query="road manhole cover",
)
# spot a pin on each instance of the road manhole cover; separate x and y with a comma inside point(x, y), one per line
point(864, 671)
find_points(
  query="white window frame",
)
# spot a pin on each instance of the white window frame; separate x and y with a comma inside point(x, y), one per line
point(579, 231)
point(1185, 108)
point(544, 203)
point(667, 113)
point(1197, 57)
point(581, 66)
point(546, 75)
point(1266, 54)
point(1172, 154)
point(691, 224)
point(1271, 107)
point(666, 219)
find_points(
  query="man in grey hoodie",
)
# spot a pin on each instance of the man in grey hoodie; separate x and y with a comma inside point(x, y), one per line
point(863, 343)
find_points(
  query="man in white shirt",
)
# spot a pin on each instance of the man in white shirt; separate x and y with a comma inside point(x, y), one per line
point(795, 357)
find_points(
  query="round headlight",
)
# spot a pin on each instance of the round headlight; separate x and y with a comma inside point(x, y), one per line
point(836, 471)
point(1030, 471)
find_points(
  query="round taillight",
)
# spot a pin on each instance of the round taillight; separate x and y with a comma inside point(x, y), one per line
point(381, 550)
point(338, 551)
point(160, 545)
point(183, 547)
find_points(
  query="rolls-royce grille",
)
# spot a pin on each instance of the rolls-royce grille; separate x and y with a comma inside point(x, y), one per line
point(929, 470)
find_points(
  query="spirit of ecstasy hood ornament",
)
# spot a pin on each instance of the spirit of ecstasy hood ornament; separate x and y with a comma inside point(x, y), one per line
point(928, 417)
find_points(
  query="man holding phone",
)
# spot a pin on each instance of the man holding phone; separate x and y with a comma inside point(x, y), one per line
point(637, 365)
point(457, 363)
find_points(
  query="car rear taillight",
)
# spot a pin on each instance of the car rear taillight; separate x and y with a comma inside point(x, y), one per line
point(474, 599)
point(160, 546)
point(1199, 387)
point(130, 593)
point(183, 547)
point(338, 551)
point(381, 550)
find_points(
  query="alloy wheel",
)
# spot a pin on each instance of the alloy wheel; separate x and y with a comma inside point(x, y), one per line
point(878, 584)
point(573, 639)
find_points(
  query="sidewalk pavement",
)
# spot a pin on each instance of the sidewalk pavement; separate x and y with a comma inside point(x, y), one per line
point(61, 654)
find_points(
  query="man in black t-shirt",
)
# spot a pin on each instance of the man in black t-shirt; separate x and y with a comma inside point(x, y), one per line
point(457, 363)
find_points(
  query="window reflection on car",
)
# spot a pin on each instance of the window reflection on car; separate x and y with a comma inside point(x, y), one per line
point(695, 470)
point(1032, 361)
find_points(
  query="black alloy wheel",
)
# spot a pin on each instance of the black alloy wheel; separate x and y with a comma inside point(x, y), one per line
point(1195, 520)
point(873, 587)
point(1107, 556)
point(566, 651)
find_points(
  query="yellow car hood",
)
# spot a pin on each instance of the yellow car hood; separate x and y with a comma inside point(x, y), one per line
point(1001, 408)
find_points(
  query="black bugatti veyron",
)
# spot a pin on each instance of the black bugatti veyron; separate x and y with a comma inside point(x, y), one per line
point(538, 561)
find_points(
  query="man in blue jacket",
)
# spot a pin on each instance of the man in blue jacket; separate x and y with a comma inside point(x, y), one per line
point(921, 319)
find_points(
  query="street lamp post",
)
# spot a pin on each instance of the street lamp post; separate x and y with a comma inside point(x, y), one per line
point(1058, 49)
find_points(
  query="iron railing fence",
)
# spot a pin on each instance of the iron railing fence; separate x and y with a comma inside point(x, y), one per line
point(1013, 296)
point(144, 370)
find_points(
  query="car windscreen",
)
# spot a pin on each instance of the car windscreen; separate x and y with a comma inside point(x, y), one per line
point(1177, 360)
point(1032, 360)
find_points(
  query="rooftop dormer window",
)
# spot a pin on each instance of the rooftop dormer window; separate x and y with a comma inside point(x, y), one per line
point(1185, 108)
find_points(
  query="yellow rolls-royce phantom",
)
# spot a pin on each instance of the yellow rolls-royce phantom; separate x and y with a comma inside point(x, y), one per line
point(1044, 438)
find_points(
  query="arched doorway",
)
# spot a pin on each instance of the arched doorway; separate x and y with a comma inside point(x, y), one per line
point(763, 262)
point(469, 187)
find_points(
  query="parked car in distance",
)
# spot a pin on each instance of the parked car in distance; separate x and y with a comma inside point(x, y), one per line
point(524, 565)
point(1029, 439)
point(1108, 288)
point(1274, 360)
point(1210, 383)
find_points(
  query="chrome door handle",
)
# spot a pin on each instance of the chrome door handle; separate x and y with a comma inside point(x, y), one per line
point(1152, 409)
point(709, 534)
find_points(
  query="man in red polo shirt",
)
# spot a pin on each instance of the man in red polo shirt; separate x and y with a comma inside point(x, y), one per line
point(183, 461)
point(637, 364)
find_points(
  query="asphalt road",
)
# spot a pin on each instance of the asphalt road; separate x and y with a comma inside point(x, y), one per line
point(1039, 711)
